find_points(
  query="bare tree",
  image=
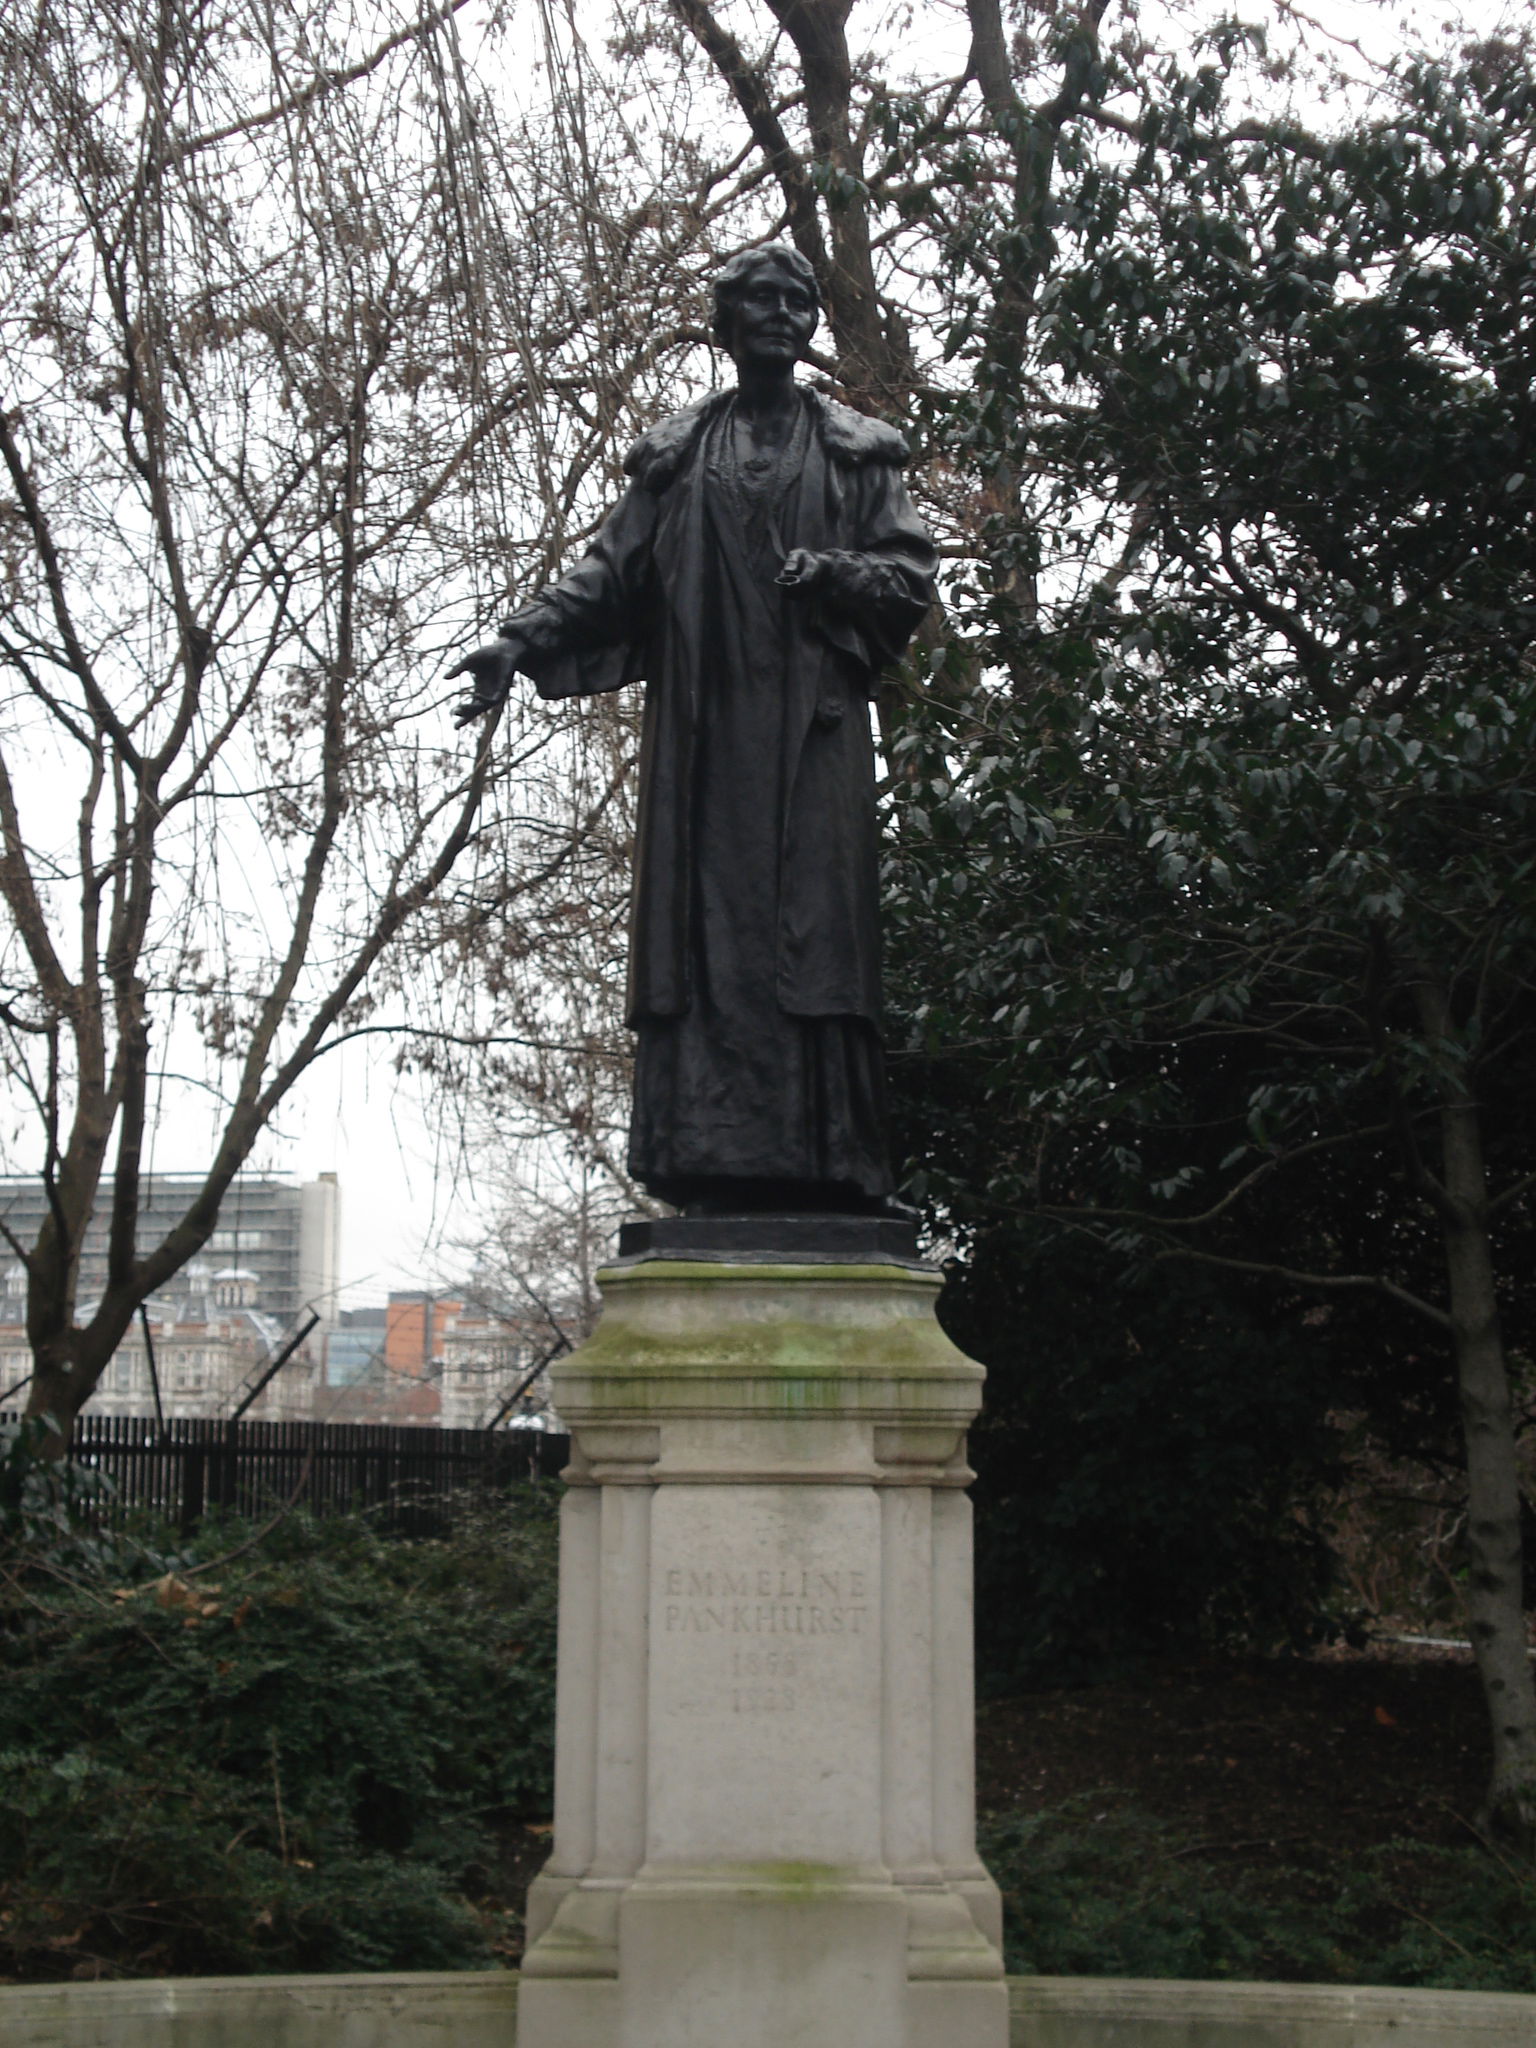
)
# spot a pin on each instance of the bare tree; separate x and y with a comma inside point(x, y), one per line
point(305, 356)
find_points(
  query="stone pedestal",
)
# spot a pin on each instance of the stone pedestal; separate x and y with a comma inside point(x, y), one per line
point(764, 1802)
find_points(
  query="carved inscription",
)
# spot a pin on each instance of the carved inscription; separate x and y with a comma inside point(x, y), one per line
point(754, 1666)
point(765, 1602)
point(763, 1606)
point(769, 1605)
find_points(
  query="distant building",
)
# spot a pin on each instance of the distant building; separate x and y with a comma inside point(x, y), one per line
point(354, 1349)
point(413, 1322)
point(207, 1358)
point(272, 1259)
point(484, 1359)
point(378, 1364)
point(430, 1358)
point(274, 1247)
point(15, 1357)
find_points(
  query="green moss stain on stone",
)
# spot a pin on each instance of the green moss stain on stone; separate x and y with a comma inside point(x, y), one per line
point(796, 1882)
point(788, 1341)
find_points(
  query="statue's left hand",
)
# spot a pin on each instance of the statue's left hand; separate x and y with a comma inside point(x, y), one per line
point(802, 572)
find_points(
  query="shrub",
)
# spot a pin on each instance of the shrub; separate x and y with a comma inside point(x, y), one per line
point(303, 1759)
point(1150, 1461)
point(1095, 1887)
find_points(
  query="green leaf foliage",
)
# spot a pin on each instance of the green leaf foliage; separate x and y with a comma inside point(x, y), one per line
point(1209, 876)
point(1096, 1887)
point(1150, 1466)
point(305, 1759)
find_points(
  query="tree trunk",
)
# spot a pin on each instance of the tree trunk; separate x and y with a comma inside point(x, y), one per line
point(1495, 1609)
point(57, 1394)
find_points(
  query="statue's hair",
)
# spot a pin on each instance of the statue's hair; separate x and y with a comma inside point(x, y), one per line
point(733, 278)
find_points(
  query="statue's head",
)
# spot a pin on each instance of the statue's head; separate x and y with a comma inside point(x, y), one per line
point(775, 262)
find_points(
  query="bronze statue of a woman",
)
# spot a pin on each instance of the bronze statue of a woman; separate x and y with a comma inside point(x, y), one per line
point(762, 568)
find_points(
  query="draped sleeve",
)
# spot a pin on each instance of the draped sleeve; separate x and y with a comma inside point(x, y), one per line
point(587, 632)
point(873, 594)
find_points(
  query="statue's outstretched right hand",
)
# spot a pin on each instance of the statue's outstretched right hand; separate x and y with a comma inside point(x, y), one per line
point(492, 668)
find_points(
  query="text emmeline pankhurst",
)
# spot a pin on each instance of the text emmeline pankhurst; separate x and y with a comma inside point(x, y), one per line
point(764, 1602)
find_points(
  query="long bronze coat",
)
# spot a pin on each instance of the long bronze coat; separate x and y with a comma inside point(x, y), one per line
point(634, 608)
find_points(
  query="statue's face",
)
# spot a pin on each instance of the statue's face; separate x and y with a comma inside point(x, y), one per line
point(772, 322)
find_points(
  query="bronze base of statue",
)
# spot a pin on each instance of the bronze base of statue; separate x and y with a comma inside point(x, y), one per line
point(763, 1236)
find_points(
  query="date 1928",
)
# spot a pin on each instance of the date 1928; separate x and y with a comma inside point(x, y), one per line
point(758, 1698)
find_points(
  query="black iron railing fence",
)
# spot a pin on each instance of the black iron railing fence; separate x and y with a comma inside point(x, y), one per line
point(413, 1480)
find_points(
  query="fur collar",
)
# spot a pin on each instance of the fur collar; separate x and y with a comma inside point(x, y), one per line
point(659, 453)
point(854, 437)
point(850, 437)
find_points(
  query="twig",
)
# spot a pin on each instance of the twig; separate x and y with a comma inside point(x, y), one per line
point(154, 1373)
point(263, 1532)
point(1403, 1906)
point(1485, 1841)
point(277, 1799)
point(1232, 1848)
